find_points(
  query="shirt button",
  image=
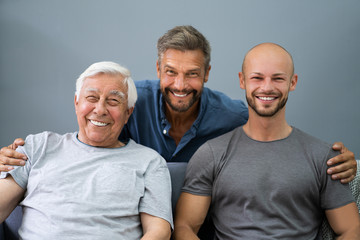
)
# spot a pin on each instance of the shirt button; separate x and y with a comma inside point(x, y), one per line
point(164, 131)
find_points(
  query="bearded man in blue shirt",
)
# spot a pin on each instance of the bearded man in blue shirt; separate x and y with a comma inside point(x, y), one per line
point(177, 114)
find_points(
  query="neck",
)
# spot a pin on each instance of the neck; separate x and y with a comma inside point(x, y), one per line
point(267, 129)
point(179, 118)
point(115, 144)
point(181, 122)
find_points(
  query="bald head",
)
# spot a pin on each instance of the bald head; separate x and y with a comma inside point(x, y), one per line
point(269, 52)
point(267, 77)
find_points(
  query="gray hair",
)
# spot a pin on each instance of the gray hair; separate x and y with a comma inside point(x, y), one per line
point(113, 69)
point(184, 38)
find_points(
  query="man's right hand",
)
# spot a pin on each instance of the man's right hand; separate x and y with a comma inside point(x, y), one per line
point(9, 157)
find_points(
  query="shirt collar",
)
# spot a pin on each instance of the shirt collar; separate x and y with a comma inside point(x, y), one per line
point(162, 109)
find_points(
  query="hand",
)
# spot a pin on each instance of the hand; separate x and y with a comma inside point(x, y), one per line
point(8, 156)
point(346, 170)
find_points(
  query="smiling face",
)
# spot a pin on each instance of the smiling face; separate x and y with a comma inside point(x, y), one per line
point(267, 78)
point(182, 76)
point(101, 110)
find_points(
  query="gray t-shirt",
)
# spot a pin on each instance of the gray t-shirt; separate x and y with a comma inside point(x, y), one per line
point(265, 190)
point(77, 191)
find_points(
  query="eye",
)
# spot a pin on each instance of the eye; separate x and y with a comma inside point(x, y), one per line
point(170, 72)
point(193, 74)
point(91, 99)
point(113, 102)
point(256, 78)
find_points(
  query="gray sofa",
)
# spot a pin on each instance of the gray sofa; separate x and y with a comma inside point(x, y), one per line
point(9, 229)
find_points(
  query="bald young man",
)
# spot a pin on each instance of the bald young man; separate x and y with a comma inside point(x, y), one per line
point(235, 173)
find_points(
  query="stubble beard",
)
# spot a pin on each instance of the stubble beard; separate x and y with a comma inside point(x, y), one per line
point(267, 112)
point(180, 106)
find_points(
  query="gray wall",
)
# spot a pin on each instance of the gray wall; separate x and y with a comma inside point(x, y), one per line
point(45, 45)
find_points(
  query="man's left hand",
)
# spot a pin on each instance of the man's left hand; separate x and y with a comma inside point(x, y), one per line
point(346, 170)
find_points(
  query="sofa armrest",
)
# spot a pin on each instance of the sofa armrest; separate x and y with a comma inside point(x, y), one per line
point(177, 174)
point(355, 186)
point(327, 232)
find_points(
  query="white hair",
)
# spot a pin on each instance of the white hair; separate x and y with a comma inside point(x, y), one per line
point(113, 69)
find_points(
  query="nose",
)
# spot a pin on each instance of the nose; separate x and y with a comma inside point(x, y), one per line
point(267, 85)
point(100, 108)
point(180, 82)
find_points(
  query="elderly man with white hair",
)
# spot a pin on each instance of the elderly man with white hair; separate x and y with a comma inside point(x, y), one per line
point(88, 184)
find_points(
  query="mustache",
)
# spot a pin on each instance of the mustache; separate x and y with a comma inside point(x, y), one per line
point(185, 91)
point(269, 93)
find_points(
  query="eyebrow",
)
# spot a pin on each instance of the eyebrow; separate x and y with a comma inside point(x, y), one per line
point(112, 92)
point(92, 90)
point(279, 74)
point(118, 93)
point(190, 70)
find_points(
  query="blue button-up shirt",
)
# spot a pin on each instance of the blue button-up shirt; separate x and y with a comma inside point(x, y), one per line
point(148, 124)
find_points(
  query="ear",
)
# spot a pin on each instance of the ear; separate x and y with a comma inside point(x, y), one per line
point(293, 82)
point(75, 103)
point(242, 80)
point(207, 72)
point(129, 112)
point(158, 69)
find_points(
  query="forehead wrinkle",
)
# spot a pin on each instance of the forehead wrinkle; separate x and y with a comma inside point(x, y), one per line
point(195, 68)
point(168, 66)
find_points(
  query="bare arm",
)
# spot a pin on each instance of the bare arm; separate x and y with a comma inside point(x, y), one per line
point(346, 170)
point(11, 194)
point(154, 227)
point(8, 156)
point(345, 221)
point(191, 211)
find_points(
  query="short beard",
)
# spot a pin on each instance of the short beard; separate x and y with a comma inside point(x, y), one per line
point(182, 106)
point(265, 113)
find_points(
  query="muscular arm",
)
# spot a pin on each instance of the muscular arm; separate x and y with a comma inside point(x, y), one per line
point(154, 227)
point(8, 156)
point(345, 221)
point(346, 170)
point(11, 194)
point(191, 211)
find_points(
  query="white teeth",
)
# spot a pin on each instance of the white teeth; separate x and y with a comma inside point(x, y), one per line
point(100, 124)
point(180, 95)
point(267, 98)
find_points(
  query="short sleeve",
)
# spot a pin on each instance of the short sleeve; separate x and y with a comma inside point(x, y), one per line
point(20, 173)
point(157, 196)
point(334, 194)
point(200, 172)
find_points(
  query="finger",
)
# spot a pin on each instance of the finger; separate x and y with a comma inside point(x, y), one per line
point(5, 168)
point(18, 142)
point(12, 161)
point(347, 180)
point(6, 152)
point(345, 175)
point(345, 157)
point(342, 168)
point(337, 146)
